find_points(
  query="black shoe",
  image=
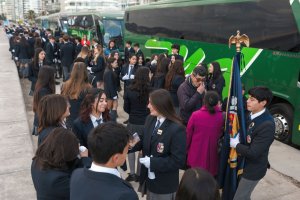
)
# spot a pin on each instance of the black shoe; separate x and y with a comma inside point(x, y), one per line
point(132, 177)
point(126, 122)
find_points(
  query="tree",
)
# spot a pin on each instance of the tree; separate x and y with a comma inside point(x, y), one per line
point(31, 16)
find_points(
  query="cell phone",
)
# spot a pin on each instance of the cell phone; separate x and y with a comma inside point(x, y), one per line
point(135, 139)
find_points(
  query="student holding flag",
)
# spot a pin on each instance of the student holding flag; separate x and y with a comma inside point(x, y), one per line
point(260, 135)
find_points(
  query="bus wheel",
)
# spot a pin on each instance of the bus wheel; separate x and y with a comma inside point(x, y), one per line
point(283, 117)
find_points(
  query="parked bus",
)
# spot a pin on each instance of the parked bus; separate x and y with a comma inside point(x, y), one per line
point(102, 25)
point(202, 29)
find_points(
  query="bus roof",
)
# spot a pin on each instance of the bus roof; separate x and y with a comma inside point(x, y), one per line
point(180, 3)
point(119, 14)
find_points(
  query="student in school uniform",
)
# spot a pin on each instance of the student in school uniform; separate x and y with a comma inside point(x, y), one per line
point(93, 112)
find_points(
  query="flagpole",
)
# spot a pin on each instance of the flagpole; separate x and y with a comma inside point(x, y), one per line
point(231, 164)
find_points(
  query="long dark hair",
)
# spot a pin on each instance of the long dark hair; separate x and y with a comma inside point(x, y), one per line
point(50, 110)
point(176, 69)
point(162, 102)
point(87, 105)
point(58, 151)
point(110, 60)
point(211, 99)
point(162, 67)
point(45, 80)
point(217, 71)
point(197, 184)
point(37, 51)
point(141, 83)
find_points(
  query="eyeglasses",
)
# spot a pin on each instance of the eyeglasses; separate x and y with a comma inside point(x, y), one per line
point(199, 79)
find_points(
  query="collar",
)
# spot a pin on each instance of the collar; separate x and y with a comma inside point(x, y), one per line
point(161, 119)
point(253, 116)
point(93, 118)
point(97, 168)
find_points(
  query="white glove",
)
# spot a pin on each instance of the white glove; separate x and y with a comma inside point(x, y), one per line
point(153, 62)
point(89, 69)
point(145, 161)
point(115, 97)
point(131, 76)
point(151, 175)
point(82, 148)
point(126, 77)
point(234, 141)
point(16, 58)
point(13, 51)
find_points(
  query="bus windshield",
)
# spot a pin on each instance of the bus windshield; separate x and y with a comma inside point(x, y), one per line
point(81, 21)
point(113, 31)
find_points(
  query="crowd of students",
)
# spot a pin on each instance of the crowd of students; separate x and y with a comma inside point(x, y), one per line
point(175, 120)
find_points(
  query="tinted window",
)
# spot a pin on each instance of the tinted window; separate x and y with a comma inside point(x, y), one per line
point(268, 23)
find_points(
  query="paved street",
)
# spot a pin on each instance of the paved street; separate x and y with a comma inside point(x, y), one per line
point(17, 145)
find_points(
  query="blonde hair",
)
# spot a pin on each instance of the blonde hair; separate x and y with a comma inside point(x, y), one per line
point(77, 83)
point(100, 53)
point(84, 52)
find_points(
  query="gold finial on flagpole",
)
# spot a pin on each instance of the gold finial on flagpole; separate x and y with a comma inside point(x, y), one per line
point(238, 40)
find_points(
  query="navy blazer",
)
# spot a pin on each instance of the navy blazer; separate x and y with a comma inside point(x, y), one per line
point(67, 54)
point(87, 184)
point(82, 130)
point(256, 150)
point(98, 68)
point(124, 71)
point(52, 184)
point(167, 149)
point(50, 53)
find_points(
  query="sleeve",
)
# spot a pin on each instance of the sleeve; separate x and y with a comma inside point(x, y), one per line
point(178, 81)
point(260, 143)
point(77, 132)
point(109, 82)
point(186, 102)
point(176, 158)
point(126, 105)
point(220, 85)
point(30, 72)
point(100, 65)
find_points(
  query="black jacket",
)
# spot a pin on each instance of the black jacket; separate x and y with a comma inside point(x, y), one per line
point(175, 83)
point(87, 184)
point(110, 79)
point(189, 99)
point(216, 85)
point(124, 71)
point(50, 53)
point(168, 151)
point(67, 54)
point(138, 111)
point(77, 49)
point(261, 131)
point(82, 130)
point(54, 184)
point(98, 68)
point(127, 53)
point(158, 81)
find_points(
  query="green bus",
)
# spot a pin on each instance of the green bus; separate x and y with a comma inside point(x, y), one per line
point(202, 29)
point(102, 25)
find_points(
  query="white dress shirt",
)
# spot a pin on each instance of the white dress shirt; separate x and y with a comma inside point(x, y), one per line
point(253, 116)
point(97, 168)
point(93, 118)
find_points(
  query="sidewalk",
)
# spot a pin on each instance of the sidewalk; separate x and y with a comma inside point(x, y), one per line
point(15, 143)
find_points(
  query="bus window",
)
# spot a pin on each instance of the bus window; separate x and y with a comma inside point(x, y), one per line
point(113, 31)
